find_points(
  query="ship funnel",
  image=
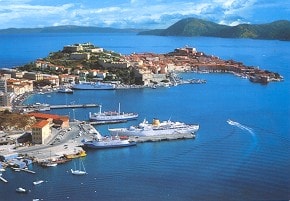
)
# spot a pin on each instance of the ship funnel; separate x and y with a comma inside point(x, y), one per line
point(155, 122)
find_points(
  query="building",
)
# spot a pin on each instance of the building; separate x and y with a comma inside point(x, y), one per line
point(55, 120)
point(18, 86)
point(80, 56)
point(33, 76)
point(40, 132)
point(5, 99)
point(3, 85)
point(72, 48)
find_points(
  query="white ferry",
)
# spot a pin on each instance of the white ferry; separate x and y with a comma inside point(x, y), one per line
point(112, 116)
point(156, 128)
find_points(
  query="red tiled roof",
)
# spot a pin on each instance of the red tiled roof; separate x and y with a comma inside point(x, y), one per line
point(40, 124)
point(48, 116)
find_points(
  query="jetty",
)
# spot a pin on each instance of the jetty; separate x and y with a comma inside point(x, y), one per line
point(47, 107)
point(23, 169)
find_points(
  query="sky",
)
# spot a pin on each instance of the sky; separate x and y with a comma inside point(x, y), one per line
point(141, 14)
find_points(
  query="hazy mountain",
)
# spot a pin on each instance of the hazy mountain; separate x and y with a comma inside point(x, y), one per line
point(196, 27)
point(67, 29)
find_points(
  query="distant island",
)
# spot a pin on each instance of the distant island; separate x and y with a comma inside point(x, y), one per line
point(278, 30)
point(68, 29)
point(189, 27)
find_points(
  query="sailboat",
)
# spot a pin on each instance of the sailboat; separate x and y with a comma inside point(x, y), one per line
point(81, 170)
point(49, 163)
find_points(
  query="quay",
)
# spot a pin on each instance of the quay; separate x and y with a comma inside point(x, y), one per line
point(106, 122)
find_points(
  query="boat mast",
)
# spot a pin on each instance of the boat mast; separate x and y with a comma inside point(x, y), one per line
point(100, 111)
point(119, 111)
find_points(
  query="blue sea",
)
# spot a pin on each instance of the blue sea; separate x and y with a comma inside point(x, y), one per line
point(246, 161)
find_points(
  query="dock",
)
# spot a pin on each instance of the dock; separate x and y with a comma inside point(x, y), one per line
point(107, 122)
point(23, 169)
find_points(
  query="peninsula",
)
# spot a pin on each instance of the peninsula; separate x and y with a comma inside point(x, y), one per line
point(85, 61)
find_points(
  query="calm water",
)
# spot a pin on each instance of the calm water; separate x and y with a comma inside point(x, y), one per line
point(249, 161)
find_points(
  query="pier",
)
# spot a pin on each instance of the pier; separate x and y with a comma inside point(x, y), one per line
point(23, 169)
point(47, 107)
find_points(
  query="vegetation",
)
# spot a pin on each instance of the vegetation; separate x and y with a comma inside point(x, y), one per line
point(15, 121)
point(279, 30)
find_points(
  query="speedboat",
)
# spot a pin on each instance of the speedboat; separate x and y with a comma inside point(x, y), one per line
point(21, 190)
point(38, 182)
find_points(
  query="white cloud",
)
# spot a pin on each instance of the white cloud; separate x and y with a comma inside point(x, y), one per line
point(130, 13)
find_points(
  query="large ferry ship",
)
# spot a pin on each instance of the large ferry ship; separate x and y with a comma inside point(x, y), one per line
point(93, 86)
point(112, 116)
point(155, 128)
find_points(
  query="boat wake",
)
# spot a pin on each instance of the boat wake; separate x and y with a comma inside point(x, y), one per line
point(243, 127)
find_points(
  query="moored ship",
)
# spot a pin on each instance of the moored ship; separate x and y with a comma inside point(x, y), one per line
point(112, 116)
point(100, 142)
point(156, 128)
point(93, 86)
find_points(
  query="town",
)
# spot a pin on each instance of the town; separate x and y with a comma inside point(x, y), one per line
point(34, 133)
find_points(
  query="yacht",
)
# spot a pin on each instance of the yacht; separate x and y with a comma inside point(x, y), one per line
point(81, 170)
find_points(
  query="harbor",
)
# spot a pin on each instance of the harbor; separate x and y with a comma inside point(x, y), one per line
point(66, 145)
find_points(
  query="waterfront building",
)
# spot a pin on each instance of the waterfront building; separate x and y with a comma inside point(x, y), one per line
point(40, 132)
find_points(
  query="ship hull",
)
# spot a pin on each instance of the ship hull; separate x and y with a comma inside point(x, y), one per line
point(113, 117)
point(135, 131)
point(106, 145)
point(93, 86)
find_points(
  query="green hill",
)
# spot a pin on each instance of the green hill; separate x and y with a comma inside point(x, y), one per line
point(279, 30)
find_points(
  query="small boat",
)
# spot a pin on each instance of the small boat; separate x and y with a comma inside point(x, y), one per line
point(65, 90)
point(79, 154)
point(38, 182)
point(21, 190)
point(81, 170)
point(49, 164)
